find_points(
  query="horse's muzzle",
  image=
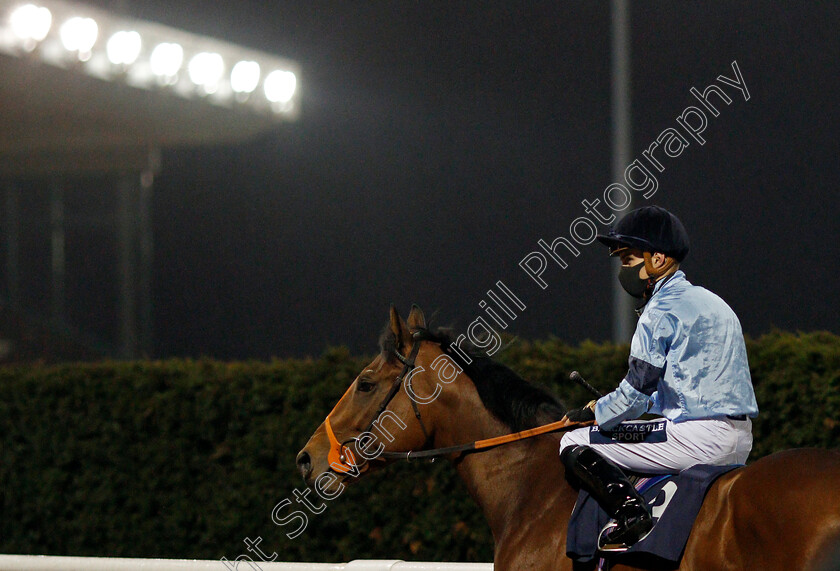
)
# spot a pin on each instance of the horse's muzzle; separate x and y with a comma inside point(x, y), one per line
point(304, 464)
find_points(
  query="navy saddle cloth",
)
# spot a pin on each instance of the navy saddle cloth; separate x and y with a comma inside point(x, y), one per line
point(674, 502)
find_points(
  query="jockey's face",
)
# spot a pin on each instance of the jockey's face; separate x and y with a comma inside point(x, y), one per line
point(630, 257)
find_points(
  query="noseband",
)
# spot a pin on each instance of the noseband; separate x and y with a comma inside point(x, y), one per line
point(341, 457)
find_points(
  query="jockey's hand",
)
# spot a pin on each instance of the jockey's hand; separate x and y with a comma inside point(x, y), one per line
point(582, 414)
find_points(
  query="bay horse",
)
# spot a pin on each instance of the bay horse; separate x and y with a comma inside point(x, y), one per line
point(424, 392)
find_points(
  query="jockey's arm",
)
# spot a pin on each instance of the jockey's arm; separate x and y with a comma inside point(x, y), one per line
point(624, 403)
point(646, 367)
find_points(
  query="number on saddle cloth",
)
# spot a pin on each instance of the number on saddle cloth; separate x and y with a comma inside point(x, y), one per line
point(674, 502)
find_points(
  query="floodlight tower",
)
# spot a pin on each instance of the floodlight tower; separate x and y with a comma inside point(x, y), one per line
point(623, 317)
point(86, 92)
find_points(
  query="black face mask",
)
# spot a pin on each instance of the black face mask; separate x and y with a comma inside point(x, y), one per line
point(629, 278)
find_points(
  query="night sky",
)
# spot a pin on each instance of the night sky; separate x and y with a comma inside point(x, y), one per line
point(439, 141)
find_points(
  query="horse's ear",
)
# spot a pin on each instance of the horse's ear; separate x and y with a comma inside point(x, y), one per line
point(416, 319)
point(398, 328)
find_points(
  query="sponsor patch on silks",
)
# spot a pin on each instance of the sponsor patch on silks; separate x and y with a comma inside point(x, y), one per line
point(632, 432)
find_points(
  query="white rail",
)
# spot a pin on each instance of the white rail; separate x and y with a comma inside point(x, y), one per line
point(54, 563)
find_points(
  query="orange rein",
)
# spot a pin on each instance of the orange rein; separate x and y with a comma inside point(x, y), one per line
point(482, 445)
point(343, 461)
point(531, 432)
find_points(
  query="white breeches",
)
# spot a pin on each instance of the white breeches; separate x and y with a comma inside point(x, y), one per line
point(718, 442)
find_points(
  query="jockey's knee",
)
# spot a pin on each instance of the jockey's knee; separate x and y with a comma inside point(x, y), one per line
point(569, 454)
point(571, 439)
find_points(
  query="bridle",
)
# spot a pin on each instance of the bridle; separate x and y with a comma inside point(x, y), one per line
point(341, 458)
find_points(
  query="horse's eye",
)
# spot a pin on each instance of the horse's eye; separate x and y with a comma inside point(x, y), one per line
point(365, 386)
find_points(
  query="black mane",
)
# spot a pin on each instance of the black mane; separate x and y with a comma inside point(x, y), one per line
point(509, 397)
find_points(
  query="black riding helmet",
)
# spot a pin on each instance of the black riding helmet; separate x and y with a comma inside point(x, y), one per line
point(649, 229)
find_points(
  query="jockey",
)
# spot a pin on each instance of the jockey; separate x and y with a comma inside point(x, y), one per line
point(688, 364)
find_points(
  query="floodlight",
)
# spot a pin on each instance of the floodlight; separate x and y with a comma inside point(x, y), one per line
point(145, 55)
point(79, 35)
point(31, 23)
point(280, 86)
point(206, 70)
point(124, 48)
point(166, 60)
point(245, 77)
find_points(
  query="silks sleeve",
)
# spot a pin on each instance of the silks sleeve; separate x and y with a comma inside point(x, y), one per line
point(646, 366)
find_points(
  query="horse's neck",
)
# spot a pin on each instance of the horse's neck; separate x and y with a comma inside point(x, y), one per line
point(520, 487)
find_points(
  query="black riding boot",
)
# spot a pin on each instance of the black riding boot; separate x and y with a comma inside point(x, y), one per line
point(616, 495)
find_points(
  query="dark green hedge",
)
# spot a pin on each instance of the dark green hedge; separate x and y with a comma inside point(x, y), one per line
point(188, 458)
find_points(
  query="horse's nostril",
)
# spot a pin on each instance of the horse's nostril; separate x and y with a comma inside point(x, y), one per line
point(304, 463)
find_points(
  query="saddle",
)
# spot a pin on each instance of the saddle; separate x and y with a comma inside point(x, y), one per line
point(674, 501)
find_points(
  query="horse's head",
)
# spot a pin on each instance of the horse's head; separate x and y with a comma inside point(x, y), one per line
point(381, 409)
